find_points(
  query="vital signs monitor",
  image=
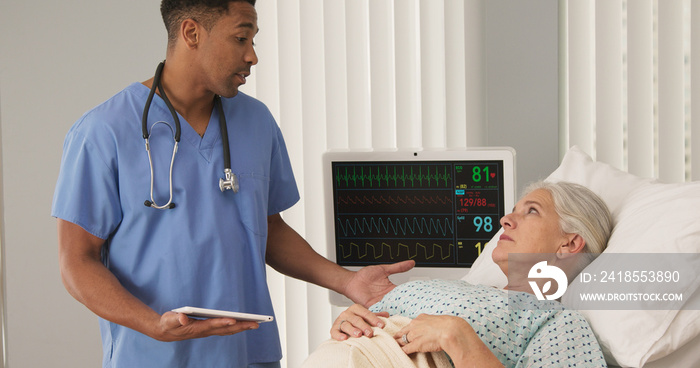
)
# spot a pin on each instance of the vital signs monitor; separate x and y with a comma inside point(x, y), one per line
point(438, 208)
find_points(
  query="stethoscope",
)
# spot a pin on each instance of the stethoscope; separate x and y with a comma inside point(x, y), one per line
point(229, 182)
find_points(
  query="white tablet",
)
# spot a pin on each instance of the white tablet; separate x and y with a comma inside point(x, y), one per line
point(214, 313)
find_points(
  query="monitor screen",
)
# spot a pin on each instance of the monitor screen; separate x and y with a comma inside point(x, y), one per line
point(438, 208)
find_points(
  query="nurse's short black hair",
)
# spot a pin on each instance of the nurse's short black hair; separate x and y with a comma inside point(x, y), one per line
point(206, 12)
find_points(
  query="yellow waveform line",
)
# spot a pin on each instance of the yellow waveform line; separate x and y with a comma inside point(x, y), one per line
point(425, 250)
point(378, 251)
point(362, 254)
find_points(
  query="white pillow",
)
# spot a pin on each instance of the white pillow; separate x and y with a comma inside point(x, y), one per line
point(649, 217)
point(655, 218)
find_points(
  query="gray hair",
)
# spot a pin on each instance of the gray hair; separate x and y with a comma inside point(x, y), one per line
point(580, 212)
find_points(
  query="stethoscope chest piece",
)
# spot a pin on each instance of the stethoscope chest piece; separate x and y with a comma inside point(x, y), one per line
point(231, 182)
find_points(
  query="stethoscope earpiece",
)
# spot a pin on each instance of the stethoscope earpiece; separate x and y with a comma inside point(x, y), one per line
point(151, 204)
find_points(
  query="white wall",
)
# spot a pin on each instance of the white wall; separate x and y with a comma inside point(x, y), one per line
point(59, 59)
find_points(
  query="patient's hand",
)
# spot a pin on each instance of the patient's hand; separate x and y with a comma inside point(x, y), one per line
point(454, 335)
point(355, 322)
point(371, 283)
point(427, 333)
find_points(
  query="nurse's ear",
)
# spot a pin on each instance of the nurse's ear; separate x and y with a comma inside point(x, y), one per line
point(191, 33)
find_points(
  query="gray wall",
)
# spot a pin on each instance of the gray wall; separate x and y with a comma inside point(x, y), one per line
point(59, 59)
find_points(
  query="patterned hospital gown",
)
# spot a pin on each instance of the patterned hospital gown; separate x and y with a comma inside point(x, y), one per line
point(527, 333)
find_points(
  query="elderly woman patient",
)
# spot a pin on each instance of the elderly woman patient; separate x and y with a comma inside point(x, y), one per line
point(452, 323)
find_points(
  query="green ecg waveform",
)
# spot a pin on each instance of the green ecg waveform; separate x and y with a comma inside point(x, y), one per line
point(395, 177)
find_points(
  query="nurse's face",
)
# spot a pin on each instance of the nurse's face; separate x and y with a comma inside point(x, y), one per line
point(532, 227)
point(227, 51)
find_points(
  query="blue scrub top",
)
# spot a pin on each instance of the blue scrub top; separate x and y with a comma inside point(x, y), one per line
point(209, 251)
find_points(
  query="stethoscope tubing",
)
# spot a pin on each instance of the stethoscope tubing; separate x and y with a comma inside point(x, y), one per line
point(230, 181)
point(170, 203)
point(224, 133)
point(144, 118)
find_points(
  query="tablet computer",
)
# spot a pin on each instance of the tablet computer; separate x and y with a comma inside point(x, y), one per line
point(214, 313)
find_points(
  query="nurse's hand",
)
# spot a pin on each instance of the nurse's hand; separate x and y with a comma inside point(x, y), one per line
point(371, 283)
point(178, 326)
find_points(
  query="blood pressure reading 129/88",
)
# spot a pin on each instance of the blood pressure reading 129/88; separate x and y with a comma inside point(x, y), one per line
point(440, 214)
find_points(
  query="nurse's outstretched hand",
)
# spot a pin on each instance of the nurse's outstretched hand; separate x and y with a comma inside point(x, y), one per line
point(371, 283)
point(178, 326)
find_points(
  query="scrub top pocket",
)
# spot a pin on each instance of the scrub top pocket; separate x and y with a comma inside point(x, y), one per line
point(251, 201)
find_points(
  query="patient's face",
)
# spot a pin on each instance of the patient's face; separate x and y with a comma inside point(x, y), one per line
point(532, 227)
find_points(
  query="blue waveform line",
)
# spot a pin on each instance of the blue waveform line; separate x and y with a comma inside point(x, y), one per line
point(396, 226)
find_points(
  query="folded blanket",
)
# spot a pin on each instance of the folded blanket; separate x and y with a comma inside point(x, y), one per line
point(381, 350)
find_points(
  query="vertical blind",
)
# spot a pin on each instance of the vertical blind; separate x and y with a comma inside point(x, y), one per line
point(630, 79)
point(360, 74)
point(386, 74)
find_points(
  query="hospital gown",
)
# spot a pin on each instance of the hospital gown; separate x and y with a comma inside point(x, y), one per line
point(519, 330)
